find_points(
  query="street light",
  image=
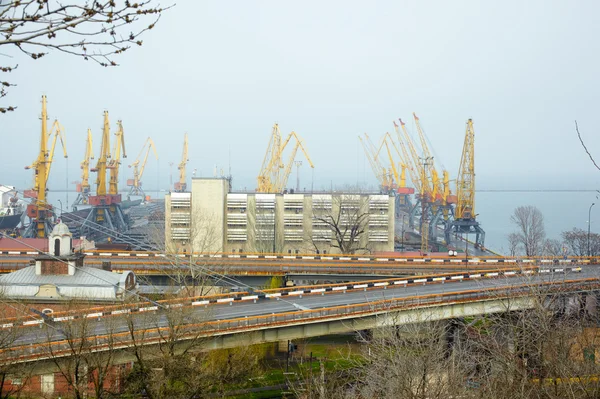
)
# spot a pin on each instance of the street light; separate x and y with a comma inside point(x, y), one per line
point(589, 224)
point(402, 239)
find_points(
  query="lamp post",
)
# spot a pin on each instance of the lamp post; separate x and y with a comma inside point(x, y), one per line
point(402, 239)
point(589, 225)
point(61, 211)
point(467, 249)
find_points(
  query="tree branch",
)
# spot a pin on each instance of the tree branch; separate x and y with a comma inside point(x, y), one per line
point(584, 147)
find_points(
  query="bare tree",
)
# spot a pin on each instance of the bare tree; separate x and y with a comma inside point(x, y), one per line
point(552, 247)
point(576, 241)
point(514, 243)
point(96, 30)
point(530, 229)
point(346, 222)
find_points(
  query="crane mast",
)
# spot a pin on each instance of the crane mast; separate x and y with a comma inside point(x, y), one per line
point(115, 163)
point(465, 184)
point(181, 185)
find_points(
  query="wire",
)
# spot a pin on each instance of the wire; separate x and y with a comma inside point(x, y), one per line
point(230, 280)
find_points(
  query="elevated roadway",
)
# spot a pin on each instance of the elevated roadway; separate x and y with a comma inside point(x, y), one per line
point(309, 266)
point(298, 312)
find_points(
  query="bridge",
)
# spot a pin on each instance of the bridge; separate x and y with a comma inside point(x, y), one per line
point(246, 318)
point(307, 265)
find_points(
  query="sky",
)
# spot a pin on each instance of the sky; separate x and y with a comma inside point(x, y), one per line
point(224, 72)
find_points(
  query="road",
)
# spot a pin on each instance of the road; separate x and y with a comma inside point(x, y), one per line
point(290, 303)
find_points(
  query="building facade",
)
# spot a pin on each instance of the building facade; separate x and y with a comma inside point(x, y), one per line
point(210, 218)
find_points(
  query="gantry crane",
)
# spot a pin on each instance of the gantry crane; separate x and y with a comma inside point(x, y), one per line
point(274, 172)
point(83, 188)
point(106, 208)
point(39, 211)
point(138, 171)
point(181, 185)
point(464, 216)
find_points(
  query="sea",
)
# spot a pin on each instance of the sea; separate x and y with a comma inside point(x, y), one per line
point(562, 210)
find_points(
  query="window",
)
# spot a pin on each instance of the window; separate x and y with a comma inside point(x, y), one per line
point(289, 251)
point(57, 247)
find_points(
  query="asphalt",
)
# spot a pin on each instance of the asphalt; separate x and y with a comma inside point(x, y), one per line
point(160, 318)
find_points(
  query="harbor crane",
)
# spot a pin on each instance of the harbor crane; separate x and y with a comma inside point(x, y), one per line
point(39, 211)
point(274, 172)
point(139, 165)
point(465, 221)
point(181, 185)
point(106, 204)
point(83, 188)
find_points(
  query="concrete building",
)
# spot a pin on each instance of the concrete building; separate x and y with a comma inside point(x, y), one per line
point(211, 218)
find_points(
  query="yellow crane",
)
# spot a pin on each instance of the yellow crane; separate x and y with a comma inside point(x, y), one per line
point(464, 215)
point(387, 178)
point(181, 185)
point(465, 184)
point(138, 171)
point(274, 172)
point(115, 163)
point(39, 211)
point(412, 170)
point(376, 169)
point(83, 188)
point(429, 161)
point(282, 183)
point(56, 132)
point(272, 163)
point(425, 189)
point(106, 207)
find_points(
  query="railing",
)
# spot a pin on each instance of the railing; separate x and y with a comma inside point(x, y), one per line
point(159, 335)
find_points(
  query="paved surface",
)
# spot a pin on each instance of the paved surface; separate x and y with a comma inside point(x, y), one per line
point(149, 320)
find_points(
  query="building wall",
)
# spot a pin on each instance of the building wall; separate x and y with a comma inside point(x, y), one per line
point(282, 223)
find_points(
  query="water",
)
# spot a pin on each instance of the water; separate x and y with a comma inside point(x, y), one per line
point(562, 211)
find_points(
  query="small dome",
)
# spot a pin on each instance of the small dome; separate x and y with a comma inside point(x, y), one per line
point(61, 229)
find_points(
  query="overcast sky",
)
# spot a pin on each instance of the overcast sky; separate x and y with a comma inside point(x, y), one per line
point(226, 71)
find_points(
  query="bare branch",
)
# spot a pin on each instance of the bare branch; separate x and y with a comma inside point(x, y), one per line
point(584, 147)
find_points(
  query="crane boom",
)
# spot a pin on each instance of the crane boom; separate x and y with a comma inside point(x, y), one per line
point(57, 132)
point(181, 185)
point(424, 187)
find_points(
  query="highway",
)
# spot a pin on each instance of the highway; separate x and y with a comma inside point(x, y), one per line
point(292, 304)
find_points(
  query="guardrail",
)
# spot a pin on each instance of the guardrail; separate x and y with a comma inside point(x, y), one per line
point(236, 297)
point(321, 257)
point(157, 335)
